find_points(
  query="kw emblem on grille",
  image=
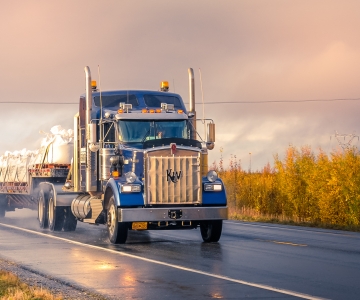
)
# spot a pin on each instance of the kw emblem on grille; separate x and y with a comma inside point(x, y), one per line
point(174, 177)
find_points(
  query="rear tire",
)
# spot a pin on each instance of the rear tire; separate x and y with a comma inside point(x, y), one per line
point(56, 214)
point(211, 230)
point(43, 210)
point(117, 231)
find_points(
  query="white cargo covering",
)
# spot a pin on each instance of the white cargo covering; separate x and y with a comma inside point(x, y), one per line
point(56, 148)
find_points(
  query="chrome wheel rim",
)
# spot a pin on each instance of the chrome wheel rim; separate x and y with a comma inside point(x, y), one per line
point(111, 219)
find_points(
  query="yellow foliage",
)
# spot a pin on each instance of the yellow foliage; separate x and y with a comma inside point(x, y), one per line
point(302, 187)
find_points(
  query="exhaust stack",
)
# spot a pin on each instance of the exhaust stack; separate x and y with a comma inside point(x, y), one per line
point(91, 175)
point(88, 95)
point(192, 111)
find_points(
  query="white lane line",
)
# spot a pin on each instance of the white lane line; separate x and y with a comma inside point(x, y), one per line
point(292, 229)
point(178, 267)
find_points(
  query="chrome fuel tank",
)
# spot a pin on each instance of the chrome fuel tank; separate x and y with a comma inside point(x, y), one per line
point(105, 154)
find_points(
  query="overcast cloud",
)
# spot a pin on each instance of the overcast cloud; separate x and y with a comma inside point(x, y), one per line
point(247, 51)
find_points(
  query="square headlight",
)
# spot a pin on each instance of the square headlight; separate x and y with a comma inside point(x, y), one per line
point(212, 187)
point(134, 188)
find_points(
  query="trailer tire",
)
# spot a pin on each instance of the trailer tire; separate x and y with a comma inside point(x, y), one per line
point(70, 221)
point(43, 210)
point(56, 214)
point(211, 230)
point(117, 231)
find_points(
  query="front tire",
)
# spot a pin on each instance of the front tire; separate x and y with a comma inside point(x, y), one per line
point(43, 210)
point(117, 231)
point(211, 230)
point(56, 214)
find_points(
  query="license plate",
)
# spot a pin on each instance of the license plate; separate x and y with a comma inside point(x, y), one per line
point(139, 225)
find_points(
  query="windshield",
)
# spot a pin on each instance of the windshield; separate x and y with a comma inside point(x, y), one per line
point(156, 100)
point(144, 130)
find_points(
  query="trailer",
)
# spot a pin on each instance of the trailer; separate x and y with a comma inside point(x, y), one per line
point(138, 163)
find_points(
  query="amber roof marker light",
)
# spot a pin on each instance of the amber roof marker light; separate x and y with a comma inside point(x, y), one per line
point(164, 86)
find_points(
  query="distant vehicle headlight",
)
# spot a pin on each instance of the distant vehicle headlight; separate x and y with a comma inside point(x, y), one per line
point(212, 176)
point(130, 177)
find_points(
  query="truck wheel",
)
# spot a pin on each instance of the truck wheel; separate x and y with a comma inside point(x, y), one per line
point(118, 231)
point(70, 221)
point(56, 214)
point(211, 230)
point(43, 210)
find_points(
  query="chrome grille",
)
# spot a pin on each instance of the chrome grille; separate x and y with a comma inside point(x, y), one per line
point(173, 179)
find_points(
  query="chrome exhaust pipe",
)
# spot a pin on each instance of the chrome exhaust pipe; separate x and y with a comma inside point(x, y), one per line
point(91, 165)
point(192, 111)
point(88, 95)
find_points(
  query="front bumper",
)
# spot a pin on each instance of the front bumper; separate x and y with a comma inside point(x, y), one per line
point(172, 214)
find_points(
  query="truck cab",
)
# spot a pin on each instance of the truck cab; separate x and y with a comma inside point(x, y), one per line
point(148, 163)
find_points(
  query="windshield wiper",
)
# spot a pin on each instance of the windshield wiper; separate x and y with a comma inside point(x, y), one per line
point(146, 135)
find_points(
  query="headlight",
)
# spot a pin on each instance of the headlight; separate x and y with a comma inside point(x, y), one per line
point(131, 188)
point(130, 177)
point(212, 176)
point(212, 187)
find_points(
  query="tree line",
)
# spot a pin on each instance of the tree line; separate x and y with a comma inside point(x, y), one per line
point(303, 187)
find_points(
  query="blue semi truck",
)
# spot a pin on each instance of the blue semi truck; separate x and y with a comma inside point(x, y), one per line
point(138, 164)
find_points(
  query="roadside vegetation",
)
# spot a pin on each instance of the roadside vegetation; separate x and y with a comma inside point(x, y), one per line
point(11, 288)
point(303, 188)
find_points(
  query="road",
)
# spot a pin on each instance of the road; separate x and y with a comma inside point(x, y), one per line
point(252, 260)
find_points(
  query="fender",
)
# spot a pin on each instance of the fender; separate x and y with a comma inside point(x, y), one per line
point(113, 185)
point(124, 199)
point(61, 198)
point(214, 198)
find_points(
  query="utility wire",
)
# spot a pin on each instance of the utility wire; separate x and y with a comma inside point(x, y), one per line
point(282, 101)
point(214, 102)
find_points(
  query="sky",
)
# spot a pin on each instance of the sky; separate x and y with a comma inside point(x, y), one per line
point(264, 56)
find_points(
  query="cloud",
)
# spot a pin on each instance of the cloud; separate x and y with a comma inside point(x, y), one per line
point(247, 51)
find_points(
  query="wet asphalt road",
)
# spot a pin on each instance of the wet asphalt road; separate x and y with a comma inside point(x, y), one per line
point(252, 260)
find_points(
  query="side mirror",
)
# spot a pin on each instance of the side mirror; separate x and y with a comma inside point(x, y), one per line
point(211, 133)
point(210, 143)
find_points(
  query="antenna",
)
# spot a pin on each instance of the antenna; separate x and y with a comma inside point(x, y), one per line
point(202, 98)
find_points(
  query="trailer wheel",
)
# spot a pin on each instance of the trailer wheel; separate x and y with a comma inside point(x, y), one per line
point(70, 221)
point(117, 231)
point(211, 230)
point(56, 214)
point(43, 210)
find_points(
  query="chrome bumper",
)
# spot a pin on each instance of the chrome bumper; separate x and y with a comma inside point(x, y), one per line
point(172, 214)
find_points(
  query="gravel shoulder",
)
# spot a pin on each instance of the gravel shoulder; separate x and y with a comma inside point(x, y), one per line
point(54, 285)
